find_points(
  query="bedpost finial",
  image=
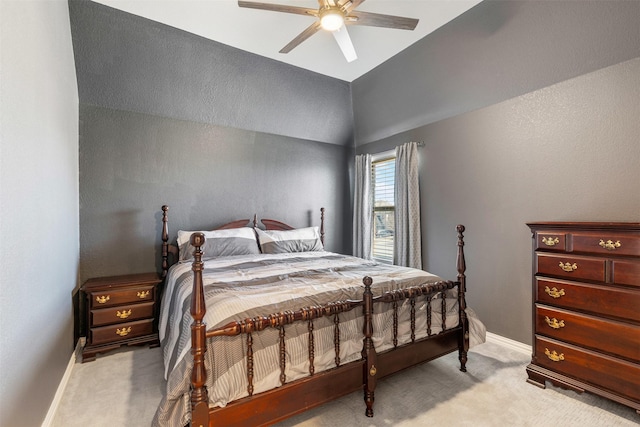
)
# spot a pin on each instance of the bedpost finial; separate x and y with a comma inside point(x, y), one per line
point(197, 239)
point(368, 281)
point(165, 240)
point(461, 264)
point(322, 226)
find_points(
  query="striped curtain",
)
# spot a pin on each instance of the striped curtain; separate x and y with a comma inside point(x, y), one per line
point(407, 242)
point(362, 208)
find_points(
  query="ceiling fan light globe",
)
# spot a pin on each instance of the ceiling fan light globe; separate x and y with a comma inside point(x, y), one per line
point(331, 20)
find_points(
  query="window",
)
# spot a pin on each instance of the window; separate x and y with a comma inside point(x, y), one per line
point(383, 177)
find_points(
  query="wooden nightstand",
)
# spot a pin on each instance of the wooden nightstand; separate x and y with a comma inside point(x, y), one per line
point(120, 310)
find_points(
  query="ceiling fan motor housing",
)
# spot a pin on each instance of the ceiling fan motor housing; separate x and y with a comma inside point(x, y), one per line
point(331, 18)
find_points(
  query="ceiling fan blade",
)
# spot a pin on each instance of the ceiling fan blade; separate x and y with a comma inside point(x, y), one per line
point(279, 8)
point(379, 20)
point(346, 46)
point(311, 30)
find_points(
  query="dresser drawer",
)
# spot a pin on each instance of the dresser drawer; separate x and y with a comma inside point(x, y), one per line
point(122, 331)
point(618, 376)
point(550, 241)
point(114, 297)
point(120, 314)
point(603, 242)
point(626, 272)
point(610, 301)
point(618, 338)
point(573, 267)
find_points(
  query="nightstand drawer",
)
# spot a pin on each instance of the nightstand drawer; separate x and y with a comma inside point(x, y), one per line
point(606, 243)
point(611, 301)
point(120, 314)
point(617, 338)
point(122, 331)
point(114, 297)
point(616, 375)
point(571, 267)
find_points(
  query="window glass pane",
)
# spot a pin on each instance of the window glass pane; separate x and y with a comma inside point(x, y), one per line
point(383, 175)
point(383, 178)
point(383, 238)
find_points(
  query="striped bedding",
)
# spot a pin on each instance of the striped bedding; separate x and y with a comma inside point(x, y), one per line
point(241, 287)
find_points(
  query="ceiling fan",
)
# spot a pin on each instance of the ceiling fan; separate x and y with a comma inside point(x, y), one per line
point(334, 16)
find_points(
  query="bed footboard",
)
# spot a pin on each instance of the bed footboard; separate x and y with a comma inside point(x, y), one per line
point(300, 395)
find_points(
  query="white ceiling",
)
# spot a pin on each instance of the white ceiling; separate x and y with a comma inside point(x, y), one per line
point(265, 32)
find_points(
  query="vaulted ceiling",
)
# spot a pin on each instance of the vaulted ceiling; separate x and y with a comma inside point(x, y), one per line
point(265, 33)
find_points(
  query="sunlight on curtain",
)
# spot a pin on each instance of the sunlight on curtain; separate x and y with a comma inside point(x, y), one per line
point(408, 247)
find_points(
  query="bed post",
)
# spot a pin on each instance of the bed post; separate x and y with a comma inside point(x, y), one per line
point(199, 395)
point(322, 226)
point(368, 350)
point(165, 241)
point(463, 345)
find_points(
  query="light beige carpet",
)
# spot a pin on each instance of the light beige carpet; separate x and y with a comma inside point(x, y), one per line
point(123, 388)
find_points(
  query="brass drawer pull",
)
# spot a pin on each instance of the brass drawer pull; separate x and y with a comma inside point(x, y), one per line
point(124, 331)
point(123, 314)
point(553, 355)
point(610, 245)
point(554, 292)
point(568, 267)
point(143, 294)
point(102, 298)
point(550, 241)
point(554, 323)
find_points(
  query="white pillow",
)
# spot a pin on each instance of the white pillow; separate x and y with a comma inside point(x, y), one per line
point(229, 242)
point(288, 241)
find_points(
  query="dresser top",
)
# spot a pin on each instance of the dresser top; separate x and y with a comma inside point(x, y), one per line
point(124, 280)
point(550, 225)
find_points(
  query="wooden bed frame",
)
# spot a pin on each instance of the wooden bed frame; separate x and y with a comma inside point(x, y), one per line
point(300, 395)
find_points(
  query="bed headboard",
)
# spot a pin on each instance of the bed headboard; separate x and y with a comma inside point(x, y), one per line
point(269, 224)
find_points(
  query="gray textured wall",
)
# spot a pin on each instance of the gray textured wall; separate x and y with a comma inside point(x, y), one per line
point(132, 163)
point(38, 206)
point(217, 133)
point(567, 152)
point(126, 62)
point(542, 144)
point(493, 52)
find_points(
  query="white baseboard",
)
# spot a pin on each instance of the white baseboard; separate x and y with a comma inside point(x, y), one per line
point(53, 408)
point(507, 342)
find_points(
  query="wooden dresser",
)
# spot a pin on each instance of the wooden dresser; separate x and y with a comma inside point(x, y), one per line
point(586, 308)
point(120, 310)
